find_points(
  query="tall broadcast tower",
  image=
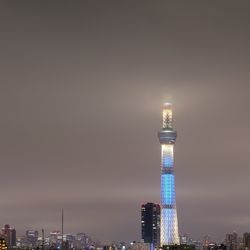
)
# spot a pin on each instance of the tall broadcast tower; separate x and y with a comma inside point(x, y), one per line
point(167, 137)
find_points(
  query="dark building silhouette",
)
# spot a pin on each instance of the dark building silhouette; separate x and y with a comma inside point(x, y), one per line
point(246, 241)
point(150, 223)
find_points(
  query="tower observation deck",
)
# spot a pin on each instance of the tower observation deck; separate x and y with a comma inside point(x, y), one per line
point(167, 137)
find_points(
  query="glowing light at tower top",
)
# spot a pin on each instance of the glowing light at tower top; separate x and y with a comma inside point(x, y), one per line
point(167, 116)
point(167, 135)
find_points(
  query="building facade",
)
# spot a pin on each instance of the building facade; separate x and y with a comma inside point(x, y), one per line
point(232, 241)
point(167, 137)
point(246, 241)
point(140, 246)
point(31, 238)
point(150, 223)
point(10, 235)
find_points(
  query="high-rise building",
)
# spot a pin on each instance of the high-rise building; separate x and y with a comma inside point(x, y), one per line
point(232, 241)
point(55, 238)
point(206, 241)
point(167, 137)
point(150, 223)
point(10, 235)
point(31, 238)
point(240, 243)
point(246, 241)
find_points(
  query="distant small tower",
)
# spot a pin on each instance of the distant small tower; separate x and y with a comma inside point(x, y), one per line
point(63, 243)
point(167, 137)
point(62, 225)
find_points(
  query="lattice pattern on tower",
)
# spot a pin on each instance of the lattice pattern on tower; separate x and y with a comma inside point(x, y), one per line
point(169, 222)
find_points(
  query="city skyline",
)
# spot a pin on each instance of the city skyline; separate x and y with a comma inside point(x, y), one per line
point(149, 213)
point(82, 86)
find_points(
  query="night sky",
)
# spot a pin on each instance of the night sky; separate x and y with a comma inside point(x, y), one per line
point(81, 90)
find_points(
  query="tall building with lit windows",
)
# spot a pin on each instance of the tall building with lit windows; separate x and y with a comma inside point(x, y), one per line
point(167, 137)
point(150, 223)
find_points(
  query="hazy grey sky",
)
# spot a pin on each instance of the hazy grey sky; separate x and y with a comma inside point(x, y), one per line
point(82, 83)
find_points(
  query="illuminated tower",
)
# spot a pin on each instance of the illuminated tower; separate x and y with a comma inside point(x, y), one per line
point(167, 137)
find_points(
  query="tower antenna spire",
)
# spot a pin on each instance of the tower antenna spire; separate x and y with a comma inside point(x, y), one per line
point(62, 226)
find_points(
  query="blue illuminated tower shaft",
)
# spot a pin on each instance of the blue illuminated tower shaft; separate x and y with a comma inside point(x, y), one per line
point(167, 137)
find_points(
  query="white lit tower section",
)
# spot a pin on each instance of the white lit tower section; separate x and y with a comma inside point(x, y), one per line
point(167, 137)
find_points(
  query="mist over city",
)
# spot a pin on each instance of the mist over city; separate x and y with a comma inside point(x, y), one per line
point(125, 125)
